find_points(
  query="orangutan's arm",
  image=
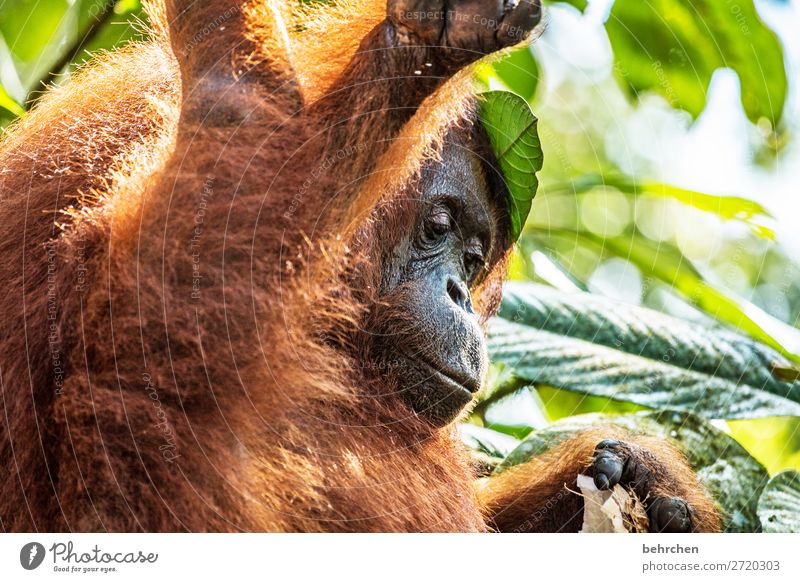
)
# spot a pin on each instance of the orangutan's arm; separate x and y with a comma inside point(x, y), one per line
point(540, 495)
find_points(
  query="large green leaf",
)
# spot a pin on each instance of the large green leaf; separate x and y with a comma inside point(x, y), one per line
point(646, 333)
point(125, 24)
point(511, 128)
point(45, 36)
point(7, 103)
point(594, 346)
point(726, 207)
point(672, 47)
point(729, 473)
point(779, 506)
point(29, 25)
point(36, 32)
point(666, 263)
point(489, 442)
point(486, 447)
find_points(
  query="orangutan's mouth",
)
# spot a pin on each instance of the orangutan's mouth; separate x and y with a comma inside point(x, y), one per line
point(462, 380)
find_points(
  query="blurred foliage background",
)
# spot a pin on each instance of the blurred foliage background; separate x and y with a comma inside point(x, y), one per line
point(669, 196)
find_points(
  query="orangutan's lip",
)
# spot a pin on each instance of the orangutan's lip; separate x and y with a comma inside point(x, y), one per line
point(463, 381)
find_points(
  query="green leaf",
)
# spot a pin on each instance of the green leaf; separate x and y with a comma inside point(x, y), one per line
point(647, 333)
point(49, 37)
point(732, 477)
point(127, 6)
point(747, 211)
point(667, 264)
point(489, 442)
point(519, 71)
point(28, 25)
point(7, 103)
point(516, 414)
point(586, 344)
point(36, 32)
point(124, 25)
point(673, 47)
point(511, 128)
point(500, 382)
point(486, 447)
point(779, 505)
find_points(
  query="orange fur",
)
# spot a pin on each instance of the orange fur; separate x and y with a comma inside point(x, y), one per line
point(180, 225)
point(540, 495)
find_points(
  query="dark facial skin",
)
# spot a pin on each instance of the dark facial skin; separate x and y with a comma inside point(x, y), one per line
point(430, 337)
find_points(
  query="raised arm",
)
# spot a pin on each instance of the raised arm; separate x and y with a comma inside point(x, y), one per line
point(350, 75)
point(342, 60)
point(405, 57)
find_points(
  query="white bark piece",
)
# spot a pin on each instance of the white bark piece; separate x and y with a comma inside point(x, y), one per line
point(614, 511)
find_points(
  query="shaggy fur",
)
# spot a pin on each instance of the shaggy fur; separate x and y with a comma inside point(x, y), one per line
point(187, 231)
point(538, 496)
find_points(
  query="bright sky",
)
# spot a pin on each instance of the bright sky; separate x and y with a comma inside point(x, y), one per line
point(711, 155)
